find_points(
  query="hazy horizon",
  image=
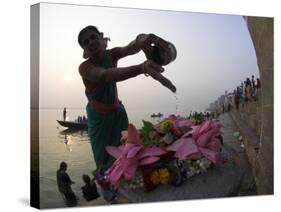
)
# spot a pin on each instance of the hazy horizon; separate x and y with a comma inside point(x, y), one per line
point(215, 53)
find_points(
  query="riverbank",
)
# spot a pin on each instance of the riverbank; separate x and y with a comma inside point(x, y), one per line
point(240, 157)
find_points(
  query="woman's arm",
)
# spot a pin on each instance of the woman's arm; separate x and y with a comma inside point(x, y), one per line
point(100, 75)
point(142, 41)
point(163, 80)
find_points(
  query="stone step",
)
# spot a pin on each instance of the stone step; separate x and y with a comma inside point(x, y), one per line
point(245, 117)
point(250, 137)
point(250, 108)
point(258, 127)
point(258, 110)
point(251, 114)
point(253, 121)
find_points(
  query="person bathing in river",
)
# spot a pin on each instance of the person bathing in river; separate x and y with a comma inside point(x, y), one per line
point(106, 114)
point(89, 190)
point(64, 184)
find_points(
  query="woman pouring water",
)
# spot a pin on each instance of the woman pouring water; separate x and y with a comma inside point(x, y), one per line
point(106, 114)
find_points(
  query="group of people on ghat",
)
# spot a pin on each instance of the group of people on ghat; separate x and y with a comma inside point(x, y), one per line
point(249, 90)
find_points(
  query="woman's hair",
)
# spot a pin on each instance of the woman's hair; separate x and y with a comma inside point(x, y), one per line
point(86, 178)
point(63, 165)
point(83, 31)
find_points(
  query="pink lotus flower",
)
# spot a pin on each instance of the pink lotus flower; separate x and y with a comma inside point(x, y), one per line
point(200, 141)
point(180, 121)
point(130, 156)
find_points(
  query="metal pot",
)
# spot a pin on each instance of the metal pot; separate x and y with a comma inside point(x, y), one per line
point(162, 52)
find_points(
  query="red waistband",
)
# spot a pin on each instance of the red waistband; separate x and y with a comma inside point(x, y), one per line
point(104, 108)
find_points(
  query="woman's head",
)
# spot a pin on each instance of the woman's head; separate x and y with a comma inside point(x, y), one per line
point(63, 165)
point(86, 178)
point(92, 41)
point(83, 32)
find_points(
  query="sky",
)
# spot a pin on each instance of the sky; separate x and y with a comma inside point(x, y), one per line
point(214, 54)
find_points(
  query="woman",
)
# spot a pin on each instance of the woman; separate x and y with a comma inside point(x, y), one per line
point(106, 114)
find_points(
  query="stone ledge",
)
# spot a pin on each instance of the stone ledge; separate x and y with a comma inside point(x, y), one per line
point(251, 142)
point(251, 114)
point(221, 181)
point(244, 129)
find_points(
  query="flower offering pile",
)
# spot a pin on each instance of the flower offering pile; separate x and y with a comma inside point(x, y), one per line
point(169, 152)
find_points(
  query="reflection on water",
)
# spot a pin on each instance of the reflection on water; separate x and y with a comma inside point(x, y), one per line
point(68, 137)
point(68, 142)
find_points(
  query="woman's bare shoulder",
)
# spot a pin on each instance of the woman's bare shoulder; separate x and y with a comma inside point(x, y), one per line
point(84, 67)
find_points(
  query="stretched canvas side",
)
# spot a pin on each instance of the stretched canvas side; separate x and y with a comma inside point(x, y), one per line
point(34, 106)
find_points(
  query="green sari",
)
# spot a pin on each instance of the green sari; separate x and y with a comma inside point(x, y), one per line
point(105, 128)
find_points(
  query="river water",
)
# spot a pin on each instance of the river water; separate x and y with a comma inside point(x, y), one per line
point(57, 144)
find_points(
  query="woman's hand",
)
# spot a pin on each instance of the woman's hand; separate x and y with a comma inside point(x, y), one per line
point(150, 66)
point(154, 70)
point(163, 80)
point(145, 40)
point(142, 40)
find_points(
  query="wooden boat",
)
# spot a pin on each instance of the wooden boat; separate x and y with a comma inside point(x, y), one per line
point(74, 124)
point(159, 115)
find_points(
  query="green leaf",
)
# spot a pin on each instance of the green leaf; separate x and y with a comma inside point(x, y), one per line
point(146, 142)
point(147, 126)
point(168, 138)
point(146, 129)
point(185, 129)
